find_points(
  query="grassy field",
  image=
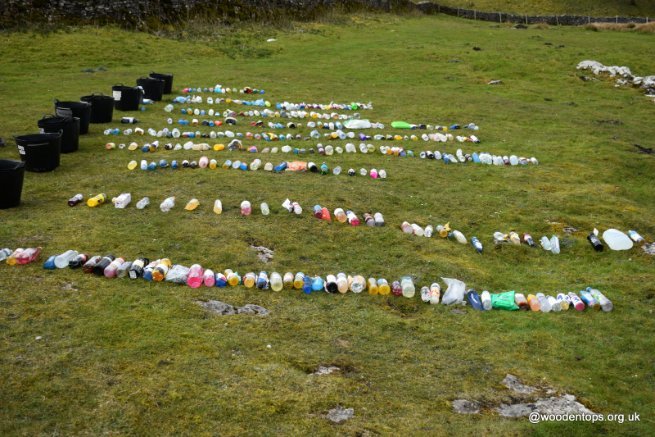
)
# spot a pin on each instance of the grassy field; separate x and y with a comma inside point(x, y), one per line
point(123, 357)
point(594, 8)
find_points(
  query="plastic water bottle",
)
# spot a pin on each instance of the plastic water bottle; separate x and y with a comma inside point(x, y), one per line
point(342, 283)
point(379, 219)
point(577, 303)
point(246, 208)
point(476, 244)
point(122, 200)
point(417, 230)
point(64, 259)
point(276, 282)
point(428, 231)
point(318, 284)
point(527, 238)
point(554, 244)
point(88, 266)
point(408, 286)
point(485, 299)
point(209, 278)
point(589, 300)
point(78, 261)
point(545, 243)
point(5, 253)
point(564, 301)
point(138, 265)
point(298, 280)
point(123, 269)
point(249, 279)
point(161, 269)
point(220, 280)
point(534, 302)
point(521, 301)
point(435, 293)
point(543, 302)
point(474, 300)
point(605, 304)
point(372, 286)
point(425, 294)
point(28, 255)
point(357, 284)
point(554, 304)
point(49, 264)
point(112, 269)
point(167, 204)
point(634, 235)
point(218, 206)
point(262, 281)
point(396, 288)
point(195, 278)
point(595, 241)
point(383, 287)
point(100, 266)
point(287, 280)
point(306, 284)
point(75, 199)
point(459, 237)
point(265, 209)
point(147, 270)
point(340, 215)
point(331, 284)
point(352, 218)
point(192, 204)
point(96, 200)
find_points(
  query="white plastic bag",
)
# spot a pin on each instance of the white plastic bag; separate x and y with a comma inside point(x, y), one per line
point(454, 293)
point(177, 274)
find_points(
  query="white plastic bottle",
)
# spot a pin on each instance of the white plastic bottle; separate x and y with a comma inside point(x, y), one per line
point(543, 301)
point(143, 203)
point(265, 209)
point(167, 204)
point(408, 286)
point(62, 260)
point(485, 297)
point(122, 201)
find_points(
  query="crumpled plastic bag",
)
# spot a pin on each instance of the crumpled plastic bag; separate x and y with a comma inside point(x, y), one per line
point(357, 124)
point(177, 274)
point(454, 293)
point(504, 301)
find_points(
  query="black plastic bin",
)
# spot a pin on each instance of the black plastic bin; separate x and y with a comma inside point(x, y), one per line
point(69, 128)
point(152, 88)
point(102, 107)
point(11, 181)
point(126, 98)
point(168, 81)
point(81, 110)
point(40, 152)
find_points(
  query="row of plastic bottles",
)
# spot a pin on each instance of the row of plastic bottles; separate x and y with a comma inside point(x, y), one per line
point(551, 244)
point(220, 89)
point(590, 297)
point(475, 157)
point(196, 276)
point(268, 113)
point(19, 256)
point(598, 246)
point(442, 231)
point(354, 106)
point(294, 166)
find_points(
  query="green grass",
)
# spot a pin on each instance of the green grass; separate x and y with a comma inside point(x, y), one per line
point(126, 357)
point(594, 8)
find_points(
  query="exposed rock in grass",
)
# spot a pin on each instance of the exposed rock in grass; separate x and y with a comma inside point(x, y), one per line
point(340, 414)
point(326, 370)
point(463, 406)
point(263, 253)
point(224, 309)
point(458, 311)
point(513, 383)
point(565, 404)
point(69, 286)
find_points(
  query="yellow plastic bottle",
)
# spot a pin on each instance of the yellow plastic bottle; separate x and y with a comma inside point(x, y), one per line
point(249, 279)
point(298, 280)
point(372, 286)
point(383, 287)
point(96, 200)
point(160, 271)
point(12, 259)
point(232, 277)
point(192, 204)
point(218, 206)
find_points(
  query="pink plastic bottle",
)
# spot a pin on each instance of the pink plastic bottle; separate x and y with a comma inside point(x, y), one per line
point(195, 278)
point(352, 218)
point(577, 303)
point(112, 268)
point(28, 255)
point(374, 173)
point(209, 278)
point(246, 208)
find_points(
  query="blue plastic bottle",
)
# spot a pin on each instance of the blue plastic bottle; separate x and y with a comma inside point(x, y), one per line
point(318, 284)
point(307, 285)
point(49, 264)
point(474, 299)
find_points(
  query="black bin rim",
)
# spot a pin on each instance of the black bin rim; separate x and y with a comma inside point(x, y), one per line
point(37, 137)
point(94, 96)
point(72, 104)
point(8, 165)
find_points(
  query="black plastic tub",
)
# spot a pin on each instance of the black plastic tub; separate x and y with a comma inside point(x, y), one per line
point(69, 128)
point(81, 110)
point(102, 107)
point(126, 98)
point(168, 81)
point(11, 181)
point(153, 89)
point(40, 152)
